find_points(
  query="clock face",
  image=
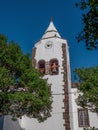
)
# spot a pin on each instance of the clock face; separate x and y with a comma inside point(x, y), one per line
point(48, 45)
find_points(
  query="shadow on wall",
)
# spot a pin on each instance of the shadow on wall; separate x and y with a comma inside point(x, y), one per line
point(1, 122)
point(6, 123)
point(22, 129)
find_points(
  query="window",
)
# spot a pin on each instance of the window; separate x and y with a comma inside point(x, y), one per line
point(41, 66)
point(83, 117)
point(53, 67)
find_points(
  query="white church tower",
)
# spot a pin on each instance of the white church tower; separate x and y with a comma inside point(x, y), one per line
point(51, 57)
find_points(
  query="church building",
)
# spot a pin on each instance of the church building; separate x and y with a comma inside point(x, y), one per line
point(51, 57)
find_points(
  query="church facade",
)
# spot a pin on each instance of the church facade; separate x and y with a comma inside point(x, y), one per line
point(51, 56)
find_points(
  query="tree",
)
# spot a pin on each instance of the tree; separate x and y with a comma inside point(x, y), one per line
point(88, 77)
point(23, 91)
point(89, 33)
point(88, 87)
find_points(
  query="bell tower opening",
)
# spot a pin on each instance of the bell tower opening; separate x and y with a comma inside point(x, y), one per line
point(54, 67)
point(41, 66)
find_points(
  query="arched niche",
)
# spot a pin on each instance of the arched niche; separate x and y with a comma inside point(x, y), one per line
point(41, 66)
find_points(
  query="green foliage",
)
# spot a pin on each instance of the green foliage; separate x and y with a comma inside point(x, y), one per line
point(88, 88)
point(89, 33)
point(23, 91)
point(91, 128)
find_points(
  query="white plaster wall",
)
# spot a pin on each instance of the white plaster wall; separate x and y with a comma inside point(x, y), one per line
point(47, 54)
point(93, 118)
point(52, 123)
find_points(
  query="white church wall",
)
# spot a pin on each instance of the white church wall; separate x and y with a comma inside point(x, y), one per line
point(93, 117)
point(52, 123)
point(47, 54)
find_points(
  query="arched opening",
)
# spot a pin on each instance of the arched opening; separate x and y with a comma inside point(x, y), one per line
point(41, 66)
point(54, 67)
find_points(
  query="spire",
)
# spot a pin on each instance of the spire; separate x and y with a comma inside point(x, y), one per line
point(51, 31)
point(51, 27)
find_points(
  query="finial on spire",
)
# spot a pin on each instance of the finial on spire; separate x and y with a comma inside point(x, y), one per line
point(51, 19)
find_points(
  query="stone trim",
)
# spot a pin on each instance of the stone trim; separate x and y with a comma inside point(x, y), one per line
point(33, 57)
point(66, 115)
point(50, 31)
point(51, 37)
point(47, 68)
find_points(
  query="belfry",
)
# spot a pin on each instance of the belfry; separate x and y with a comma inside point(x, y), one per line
point(51, 57)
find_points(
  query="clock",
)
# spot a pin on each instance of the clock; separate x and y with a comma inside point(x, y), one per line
point(48, 45)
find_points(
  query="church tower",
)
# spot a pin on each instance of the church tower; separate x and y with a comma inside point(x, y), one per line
point(51, 57)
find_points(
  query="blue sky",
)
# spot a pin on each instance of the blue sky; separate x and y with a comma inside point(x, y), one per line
point(25, 21)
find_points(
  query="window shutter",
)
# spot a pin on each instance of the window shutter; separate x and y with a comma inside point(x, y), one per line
point(83, 117)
